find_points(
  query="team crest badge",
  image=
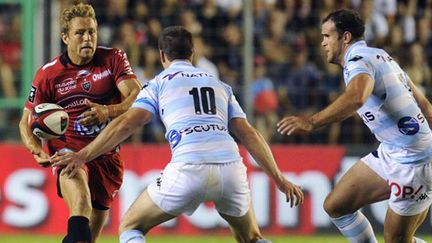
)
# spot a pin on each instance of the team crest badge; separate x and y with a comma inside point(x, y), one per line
point(86, 85)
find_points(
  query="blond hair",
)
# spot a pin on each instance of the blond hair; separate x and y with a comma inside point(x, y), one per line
point(78, 10)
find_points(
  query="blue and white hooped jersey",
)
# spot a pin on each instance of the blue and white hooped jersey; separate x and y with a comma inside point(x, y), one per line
point(195, 108)
point(391, 112)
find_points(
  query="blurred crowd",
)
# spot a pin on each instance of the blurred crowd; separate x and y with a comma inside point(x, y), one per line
point(291, 75)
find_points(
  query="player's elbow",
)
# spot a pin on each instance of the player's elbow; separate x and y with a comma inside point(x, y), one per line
point(248, 135)
point(24, 122)
point(357, 100)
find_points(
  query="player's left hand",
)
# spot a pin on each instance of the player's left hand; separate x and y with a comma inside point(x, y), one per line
point(97, 114)
point(294, 194)
point(70, 161)
point(291, 125)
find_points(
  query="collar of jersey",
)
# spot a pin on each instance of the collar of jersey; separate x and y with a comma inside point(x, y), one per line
point(357, 43)
point(65, 60)
point(177, 63)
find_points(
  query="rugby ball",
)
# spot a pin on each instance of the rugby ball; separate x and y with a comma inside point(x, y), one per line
point(48, 121)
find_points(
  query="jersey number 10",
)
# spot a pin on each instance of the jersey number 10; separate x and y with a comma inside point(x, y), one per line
point(205, 98)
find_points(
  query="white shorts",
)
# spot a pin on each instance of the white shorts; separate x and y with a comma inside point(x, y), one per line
point(182, 187)
point(410, 184)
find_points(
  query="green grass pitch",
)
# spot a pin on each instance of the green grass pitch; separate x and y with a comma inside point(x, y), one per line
point(190, 239)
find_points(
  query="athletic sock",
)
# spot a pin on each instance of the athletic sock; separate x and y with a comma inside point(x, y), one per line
point(66, 239)
point(132, 236)
point(78, 230)
point(263, 241)
point(355, 227)
point(418, 240)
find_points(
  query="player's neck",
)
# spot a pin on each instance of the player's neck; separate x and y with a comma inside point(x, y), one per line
point(76, 60)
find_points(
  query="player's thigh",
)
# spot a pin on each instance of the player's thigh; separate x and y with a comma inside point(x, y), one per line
point(245, 228)
point(143, 214)
point(76, 193)
point(358, 187)
point(401, 229)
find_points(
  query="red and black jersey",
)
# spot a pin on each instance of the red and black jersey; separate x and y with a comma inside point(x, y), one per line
point(68, 85)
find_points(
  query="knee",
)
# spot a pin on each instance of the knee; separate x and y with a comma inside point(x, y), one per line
point(334, 208)
point(126, 225)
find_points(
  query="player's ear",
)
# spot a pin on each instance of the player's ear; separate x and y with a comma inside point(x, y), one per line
point(347, 37)
point(193, 55)
point(64, 38)
point(162, 56)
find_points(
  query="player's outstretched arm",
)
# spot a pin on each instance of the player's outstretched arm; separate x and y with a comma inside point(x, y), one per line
point(355, 95)
point(260, 151)
point(98, 113)
point(116, 132)
point(31, 142)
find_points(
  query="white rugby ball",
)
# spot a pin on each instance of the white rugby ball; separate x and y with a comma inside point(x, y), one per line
point(49, 121)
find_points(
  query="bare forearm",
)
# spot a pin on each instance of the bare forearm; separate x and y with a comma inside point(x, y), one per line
point(27, 138)
point(115, 133)
point(116, 110)
point(339, 110)
point(261, 152)
point(107, 140)
point(130, 92)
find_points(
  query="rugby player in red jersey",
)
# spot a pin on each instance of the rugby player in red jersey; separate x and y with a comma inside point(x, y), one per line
point(94, 85)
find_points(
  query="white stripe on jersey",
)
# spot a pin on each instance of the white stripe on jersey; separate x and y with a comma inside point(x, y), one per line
point(49, 64)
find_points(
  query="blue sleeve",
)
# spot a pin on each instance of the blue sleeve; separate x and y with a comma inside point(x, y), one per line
point(147, 98)
point(356, 65)
point(234, 109)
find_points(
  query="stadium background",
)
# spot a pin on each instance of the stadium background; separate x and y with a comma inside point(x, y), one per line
point(267, 50)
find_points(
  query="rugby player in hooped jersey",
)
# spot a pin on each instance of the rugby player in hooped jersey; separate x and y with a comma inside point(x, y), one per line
point(94, 85)
point(399, 116)
point(198, 111)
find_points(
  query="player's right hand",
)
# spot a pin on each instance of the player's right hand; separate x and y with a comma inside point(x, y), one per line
point(291, 125)
point(294, 194)
point(42, 158)
point(97, 114)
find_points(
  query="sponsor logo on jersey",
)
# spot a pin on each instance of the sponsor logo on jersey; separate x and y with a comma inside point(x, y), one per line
point(195, 75)
point(66, 86)
point(75, 103)
point(408, 125)
point(367, 117)
point(89, 131)
point(32, 94)
point(99, 76)
point(83, 74)
point(203, 128)
point(174, 138)
point(145, 85)
point(172, 75)
point(355, 58)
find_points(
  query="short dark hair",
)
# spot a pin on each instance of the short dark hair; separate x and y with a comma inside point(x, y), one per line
point(347, 20)
point(176, 43)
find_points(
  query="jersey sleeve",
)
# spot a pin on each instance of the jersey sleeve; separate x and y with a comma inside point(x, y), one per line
point(234, 108)
point(121, 67)
point(356, 65)
point(147, 98)
point(39, 91)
